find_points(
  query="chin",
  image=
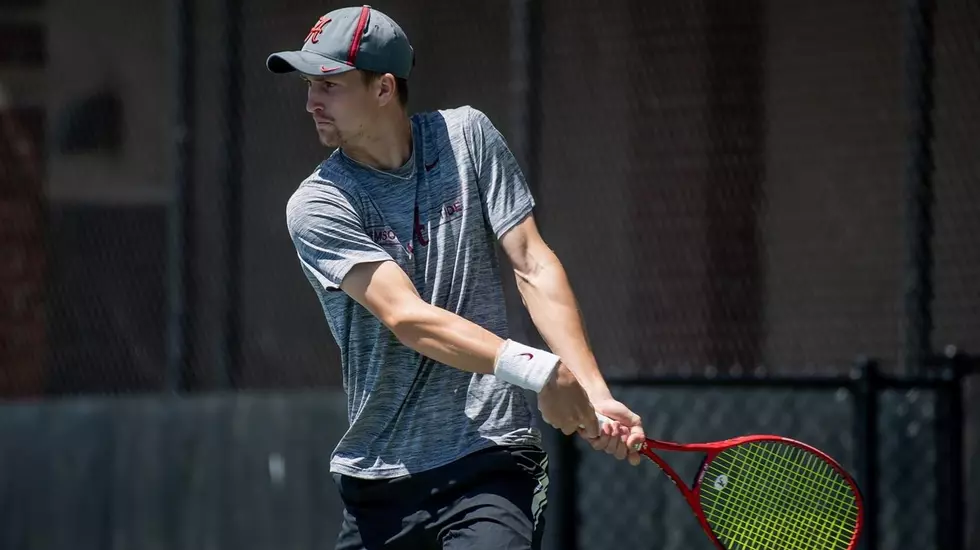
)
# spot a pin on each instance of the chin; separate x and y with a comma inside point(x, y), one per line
point(329, 139)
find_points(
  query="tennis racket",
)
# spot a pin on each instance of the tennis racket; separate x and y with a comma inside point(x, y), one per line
point(761, 492)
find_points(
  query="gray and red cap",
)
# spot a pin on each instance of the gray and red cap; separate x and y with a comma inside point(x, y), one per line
point(347, 39)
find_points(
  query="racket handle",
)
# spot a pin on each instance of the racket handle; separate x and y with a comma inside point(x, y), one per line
point(603, 420)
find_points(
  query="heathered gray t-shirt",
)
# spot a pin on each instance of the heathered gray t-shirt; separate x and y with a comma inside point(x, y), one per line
point(438, 218)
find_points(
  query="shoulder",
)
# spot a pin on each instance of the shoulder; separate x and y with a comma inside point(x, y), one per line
point(464, 114)
point(465, 127)
point(464, 119)
point(327, 191)
point(467, 118)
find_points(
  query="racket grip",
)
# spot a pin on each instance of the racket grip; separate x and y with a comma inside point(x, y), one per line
point(603, 420)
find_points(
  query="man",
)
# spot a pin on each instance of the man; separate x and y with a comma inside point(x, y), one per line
point(396, 232)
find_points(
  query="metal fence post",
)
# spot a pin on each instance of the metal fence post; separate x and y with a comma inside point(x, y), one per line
point(949, 452)
point(865, 391)
point(178, 211)
point(567, 532)
point(231, 177)
point(919, 192)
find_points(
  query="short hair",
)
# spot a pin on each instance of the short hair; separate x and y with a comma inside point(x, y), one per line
point(401, 85)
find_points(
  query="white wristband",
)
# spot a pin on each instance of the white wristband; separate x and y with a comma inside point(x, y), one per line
point(524, 366)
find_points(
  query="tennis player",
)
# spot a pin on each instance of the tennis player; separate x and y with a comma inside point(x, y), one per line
point(396, 232)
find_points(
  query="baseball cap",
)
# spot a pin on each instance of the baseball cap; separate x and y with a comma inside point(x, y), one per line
point(347, 39)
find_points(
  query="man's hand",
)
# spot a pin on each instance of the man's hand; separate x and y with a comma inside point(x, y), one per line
point(565, 405)
point(621, 437)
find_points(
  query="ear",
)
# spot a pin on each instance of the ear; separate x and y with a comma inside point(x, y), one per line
point(387, 91)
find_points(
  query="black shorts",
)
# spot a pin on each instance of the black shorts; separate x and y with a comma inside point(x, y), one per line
point(493, 498)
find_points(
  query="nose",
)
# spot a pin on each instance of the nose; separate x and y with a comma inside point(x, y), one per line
point(314, 102)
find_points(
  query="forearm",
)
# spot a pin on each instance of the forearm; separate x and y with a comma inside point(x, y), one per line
point(384, 290)
point(462, 344)
point(448, 338)
point(551, 303)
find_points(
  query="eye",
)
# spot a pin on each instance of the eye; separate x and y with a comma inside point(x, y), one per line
point(321, 84)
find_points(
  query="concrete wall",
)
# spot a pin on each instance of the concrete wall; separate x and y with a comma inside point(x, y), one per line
point(240, 471)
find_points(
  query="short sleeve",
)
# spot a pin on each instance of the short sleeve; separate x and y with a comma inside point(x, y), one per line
point(328, 234)
point(507, 200)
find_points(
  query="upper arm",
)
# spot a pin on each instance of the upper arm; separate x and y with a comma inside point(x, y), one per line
point(504, 192)
point(337, 252)
point(384, 290)
point(329, 236)
point(507, 200)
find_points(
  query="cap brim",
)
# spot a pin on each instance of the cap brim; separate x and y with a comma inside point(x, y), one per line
point(307, 63)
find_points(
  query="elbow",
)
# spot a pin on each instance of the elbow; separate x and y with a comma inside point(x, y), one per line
point(405, 322)
point(536, 267)
point(534, 276)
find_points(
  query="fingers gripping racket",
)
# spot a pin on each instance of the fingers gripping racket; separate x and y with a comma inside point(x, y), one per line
point(767, 492)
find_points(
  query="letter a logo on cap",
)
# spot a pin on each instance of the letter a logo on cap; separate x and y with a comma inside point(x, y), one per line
point(317, 29)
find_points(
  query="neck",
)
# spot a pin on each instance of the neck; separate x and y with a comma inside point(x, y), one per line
point(387, 146)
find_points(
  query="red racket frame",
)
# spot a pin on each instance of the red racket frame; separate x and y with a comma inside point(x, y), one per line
point(693, 494)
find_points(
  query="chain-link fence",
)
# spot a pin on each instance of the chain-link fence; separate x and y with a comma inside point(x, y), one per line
point(762, 187)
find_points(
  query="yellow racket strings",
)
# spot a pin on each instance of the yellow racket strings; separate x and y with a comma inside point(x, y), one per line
point(771, 495)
